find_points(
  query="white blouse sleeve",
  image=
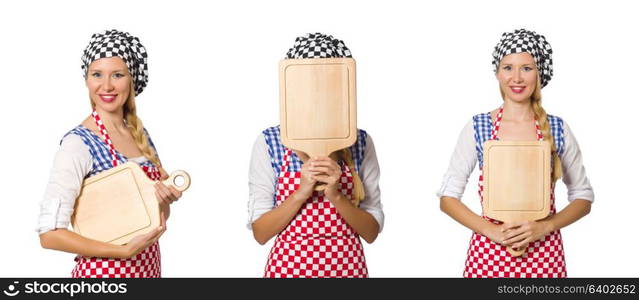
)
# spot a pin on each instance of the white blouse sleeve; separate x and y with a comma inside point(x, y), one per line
point(261, 182)
point(71, 164)
point(462, 163)
point(369, 173)
point(574, 173)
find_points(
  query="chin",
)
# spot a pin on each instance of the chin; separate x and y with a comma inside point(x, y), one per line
point(519, 97)
point(108, 107)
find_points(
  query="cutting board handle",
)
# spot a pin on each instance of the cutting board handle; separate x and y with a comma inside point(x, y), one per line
point(320, 187)
point(516, 253)
point(175, 174)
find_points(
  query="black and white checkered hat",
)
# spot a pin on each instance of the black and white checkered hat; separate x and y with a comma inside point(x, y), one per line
point(318, 45)
point(522, 40)
point(117, 43)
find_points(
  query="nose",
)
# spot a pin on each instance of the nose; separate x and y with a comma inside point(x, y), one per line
point(107, 85)
point(517, 77)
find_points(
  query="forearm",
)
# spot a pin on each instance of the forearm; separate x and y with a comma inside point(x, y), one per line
point(571, 213)
point(68, 241)
point(462, 214)
point(274, 221)
point(361, 221)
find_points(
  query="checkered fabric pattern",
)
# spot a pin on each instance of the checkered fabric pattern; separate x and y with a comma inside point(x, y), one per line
point(105, 135)
point(100, 152)
point(117, 43)
point(522, 40)
point(317, 45)
point(144, 265)
point(483, 127)
point(317, 243)
point(543, 258)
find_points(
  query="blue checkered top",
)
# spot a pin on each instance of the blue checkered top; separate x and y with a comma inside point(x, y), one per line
point(276, 150)
point(100, 151)
point(483, 125)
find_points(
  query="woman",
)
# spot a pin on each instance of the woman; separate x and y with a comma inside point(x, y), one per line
point(523, 65)
point(317, 232)
point(115, 68)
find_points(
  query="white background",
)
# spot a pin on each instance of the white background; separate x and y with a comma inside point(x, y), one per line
point(423, 71)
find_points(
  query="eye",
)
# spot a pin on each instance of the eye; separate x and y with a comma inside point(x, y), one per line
point(507, 68)
point(528, 69)
point(96, 74)
point(118, 75)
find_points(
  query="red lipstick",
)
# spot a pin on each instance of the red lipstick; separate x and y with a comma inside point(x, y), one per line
point(108, 98)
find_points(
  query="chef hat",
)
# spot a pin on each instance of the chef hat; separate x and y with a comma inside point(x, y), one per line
point(318, 45)
point(522, 40)
point(121, 44)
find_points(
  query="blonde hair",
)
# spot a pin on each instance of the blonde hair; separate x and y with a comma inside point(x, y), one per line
point(544, 126)
point(358, 186)
point(134, 124)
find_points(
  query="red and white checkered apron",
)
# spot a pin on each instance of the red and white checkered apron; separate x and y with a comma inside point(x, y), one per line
point(144, 265)
point(317, 242)
point(543, 258)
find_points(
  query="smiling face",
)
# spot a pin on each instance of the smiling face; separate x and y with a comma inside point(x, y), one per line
point(109, 83)
point(517, 76)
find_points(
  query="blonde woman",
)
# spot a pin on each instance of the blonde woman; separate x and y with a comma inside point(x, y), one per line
point(523, 65)
point(115, 69)
point(318, 233)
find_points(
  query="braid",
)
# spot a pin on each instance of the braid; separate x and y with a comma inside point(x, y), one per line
point(544, 125)
point(358, 186)
point(137, 131)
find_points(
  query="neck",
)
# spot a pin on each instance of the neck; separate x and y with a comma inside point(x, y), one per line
point(518, 111)
point(112, 120)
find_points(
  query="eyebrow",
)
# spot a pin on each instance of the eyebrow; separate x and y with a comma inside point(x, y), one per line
point(98, 70)
point(522, 65)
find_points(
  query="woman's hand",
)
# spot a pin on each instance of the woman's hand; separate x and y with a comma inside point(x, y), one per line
point(307, 182)
point(143, 241)
point(520, 234)
point(494, 232)
point(166, 194)
point(327, 171)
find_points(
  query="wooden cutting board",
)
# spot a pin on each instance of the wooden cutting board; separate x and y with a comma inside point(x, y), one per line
point(318, 113)
point(120, 203)
point(516, 181)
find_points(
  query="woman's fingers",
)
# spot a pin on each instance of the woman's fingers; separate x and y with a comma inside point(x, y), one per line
point(160, 198)
point(166, 194)
point(514, 232)
point(325, 170)
point(162, 229)
point(327, 162)
point(163, 174)
point(321, 178)
point(330, 166)
point(162, 190)
point(143, 241)
point(175, 194)
point(326, 179)
point(511, 225)
point(517, 238)
point(523, 244)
